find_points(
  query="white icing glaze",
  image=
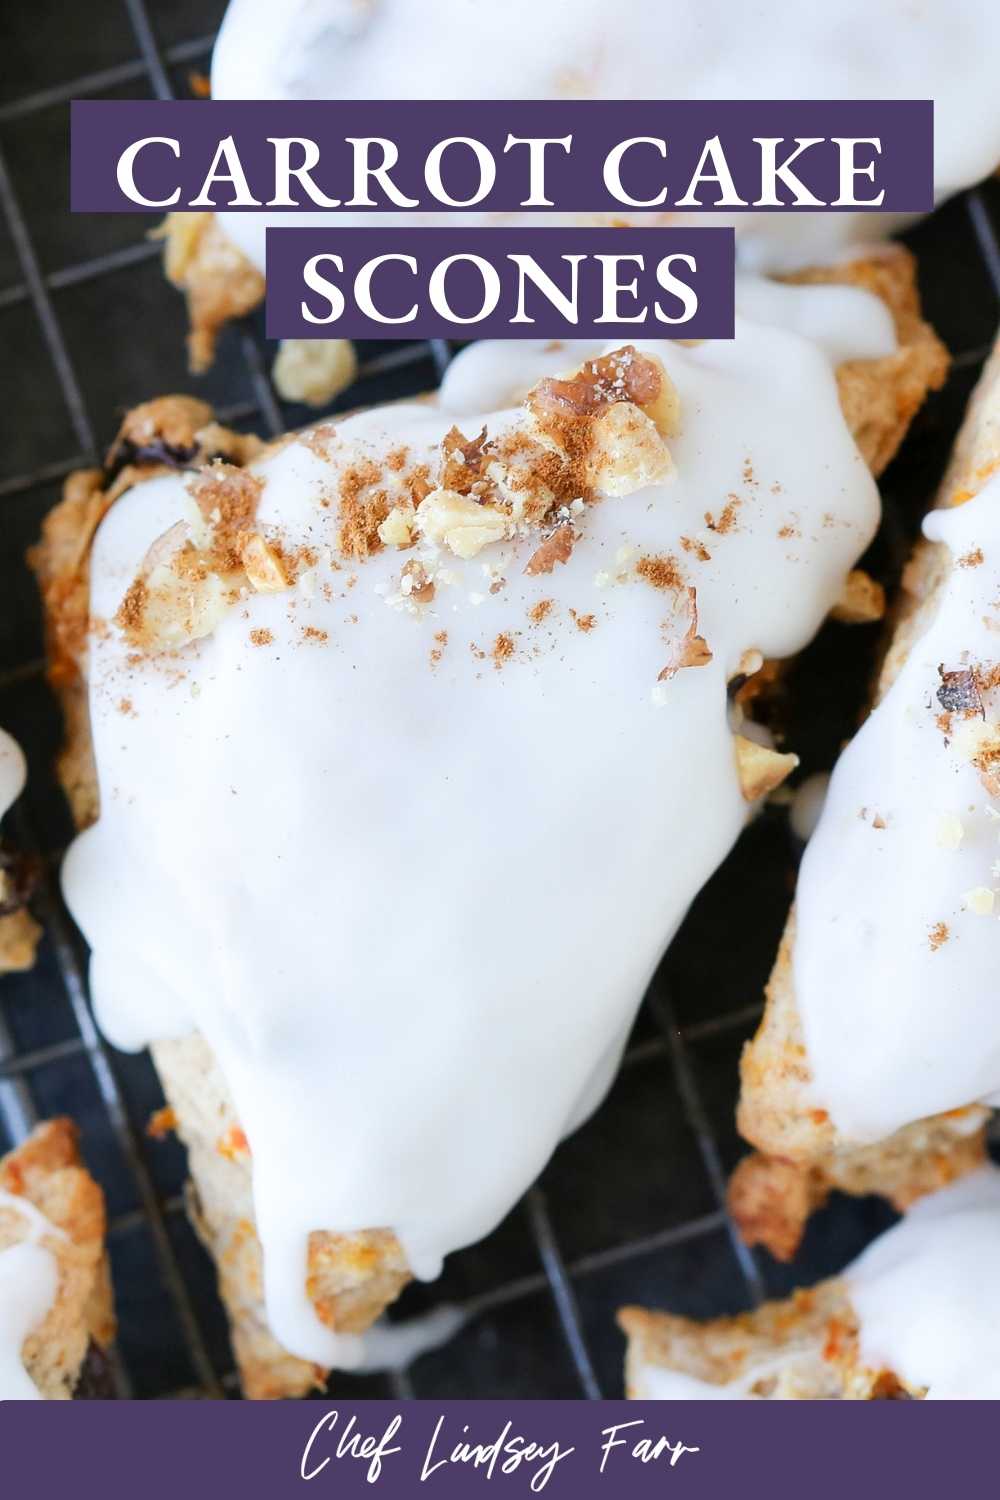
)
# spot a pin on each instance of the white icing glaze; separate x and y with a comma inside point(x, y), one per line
point(413, 909)
point(678, 49)
point(12, 772)
point(29, 1280)
point(807, 805)
point(926, 1296)
point(888, 1013)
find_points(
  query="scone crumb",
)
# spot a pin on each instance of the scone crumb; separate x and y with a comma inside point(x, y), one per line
point(315, 371)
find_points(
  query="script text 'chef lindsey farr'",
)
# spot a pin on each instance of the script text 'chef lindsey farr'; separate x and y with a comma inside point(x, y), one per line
point(338, 1436)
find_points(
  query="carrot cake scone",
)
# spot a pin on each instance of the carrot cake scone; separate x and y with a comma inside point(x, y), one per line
point(879, 1051)
point(915, 1317)
point(55, 1290)
point(19, 932)
point(675, 49)
point(415, 738)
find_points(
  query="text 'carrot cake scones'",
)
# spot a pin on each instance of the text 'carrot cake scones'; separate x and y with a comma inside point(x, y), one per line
point(19, 932)
point(677, 49)
point(915, 1317)
point(414, 743)
point(879, 1050)
point(55, 1292)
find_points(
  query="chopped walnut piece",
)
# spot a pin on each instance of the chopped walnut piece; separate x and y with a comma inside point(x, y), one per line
point(626, 453)
point(395, 530)
point(165, 610)
point(263, 566)
point(161, 1123)
point(463, 460)
point(689, 649)
point(556, 548)
point(623, 375)
point(979, 901)
point(314, 370)
point(461, 524)
point(862, 600)
point(759, 768)
point(416, 584)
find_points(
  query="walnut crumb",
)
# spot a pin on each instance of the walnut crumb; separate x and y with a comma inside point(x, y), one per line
point(586, 623)
point(556, 548)
point(541, 611)
point(261, 637)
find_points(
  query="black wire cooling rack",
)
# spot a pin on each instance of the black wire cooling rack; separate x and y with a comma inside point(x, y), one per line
point(632, 1208)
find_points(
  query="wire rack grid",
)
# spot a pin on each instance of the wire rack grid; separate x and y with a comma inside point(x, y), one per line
point(633, 1207)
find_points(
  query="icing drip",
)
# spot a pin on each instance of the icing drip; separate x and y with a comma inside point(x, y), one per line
point(926, 1296)
point(12, 772)
point(408, 866)
point(896, 935)
point(849, 49)
point(29, 1280)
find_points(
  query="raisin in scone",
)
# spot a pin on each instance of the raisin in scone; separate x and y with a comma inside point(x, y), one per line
point(399, 725)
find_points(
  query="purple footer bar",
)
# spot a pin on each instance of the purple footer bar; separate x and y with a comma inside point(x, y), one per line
point(568, 1450)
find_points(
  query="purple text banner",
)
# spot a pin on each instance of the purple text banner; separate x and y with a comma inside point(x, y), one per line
point(435, 155)
point(456, 1450)
point(500, 283)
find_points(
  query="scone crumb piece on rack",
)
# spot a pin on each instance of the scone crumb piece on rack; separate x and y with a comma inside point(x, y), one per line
point(314, 371)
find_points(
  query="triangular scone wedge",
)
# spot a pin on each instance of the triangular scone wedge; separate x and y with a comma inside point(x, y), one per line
point(350, 1278)
point(65, 1356)
point(801, 1155)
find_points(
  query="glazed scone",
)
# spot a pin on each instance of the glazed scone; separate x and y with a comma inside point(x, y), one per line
point(348, 833)
point(914, 1318)
point(19, 932)
point(894, 930)
point(678, 49)
point(55, 1290)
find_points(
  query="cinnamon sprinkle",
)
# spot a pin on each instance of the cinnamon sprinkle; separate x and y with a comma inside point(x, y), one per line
point(503, 649)
point(938, 934)
point(661, 572)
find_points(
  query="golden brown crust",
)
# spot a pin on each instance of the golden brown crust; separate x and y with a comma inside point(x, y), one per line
point(351, 1277)
point(881, 397)
point(802, 1349)
point(46, 1170)
point(19, 935)
point(216, 277)
point(776, 1113)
